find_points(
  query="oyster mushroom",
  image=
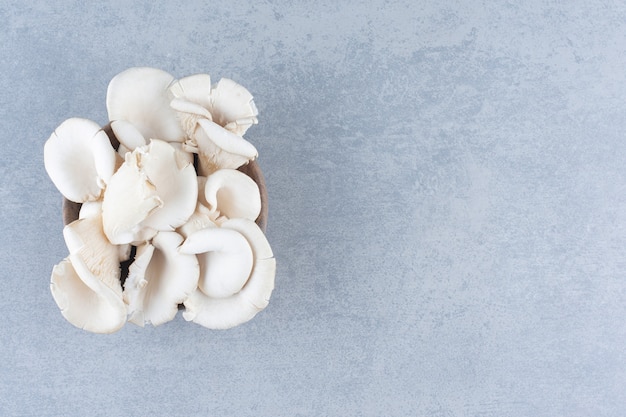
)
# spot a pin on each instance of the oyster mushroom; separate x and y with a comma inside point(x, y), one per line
point(192, 100)
point(195, 89)
point(159, 280)
point(79, 159)
point(86, 285)
point(146, 193)
point(154, 190)
point(232, 194)
point(182, 153)
point(189, 114)
point(200, 219)
point(201, 187)
point(214, 119)
point(232, 106)
point(127, 135)
point(90, 209)
point(219, 148)
point(226, 261)
point(231, 300)
point(85, 301)
point(141, 96)
point(227, 103)
point(85, 238)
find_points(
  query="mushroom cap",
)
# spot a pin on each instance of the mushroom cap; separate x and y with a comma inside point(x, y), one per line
point(232, 106)
point(85, 300)
point(182, 154)
point(224, 313)
point(90, 209)
point(154, 190)
point(93, 210)
point(194, 88)
point(174, 179)
point(227, 103)
point(86, 238)
point(128, 200)
point(159, 280)
point(232, 194)
point(192, 100)
point(141, 96)
point(201, 188)
point(127, 135)
point(225, 259)
point(79, 159)
point(200, 219)
point(258, 241)
point(219, 148)
point(189, 114)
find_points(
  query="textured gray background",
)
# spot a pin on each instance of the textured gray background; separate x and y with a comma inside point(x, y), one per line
point(448, 209)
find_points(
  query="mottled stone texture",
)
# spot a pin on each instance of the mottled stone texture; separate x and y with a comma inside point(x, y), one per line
point(447, 185)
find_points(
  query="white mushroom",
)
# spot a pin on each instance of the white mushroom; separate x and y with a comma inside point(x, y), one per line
point(86, 285)
point(214, 118)
point(90, 209)
point(194, 88)
point(127, 135)
point(154, 190)
point(86, 238)
point(232, 194)
point(232, 106)
point(225, 258)
point(219, 148)
point(192, 99)
point(189, 114)
point(222, 311)
point(227, 103)
point(200, 219)
point(79, 159)
point(195, 235)
point(85, 301)
point(159, 280)
point(182, 153)
point(141, 96)
point(129, 199)
point(258, 242)
point(201, 188)
point(221, 110)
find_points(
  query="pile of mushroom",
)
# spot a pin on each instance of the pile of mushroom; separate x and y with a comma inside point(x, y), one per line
point(188, 228)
